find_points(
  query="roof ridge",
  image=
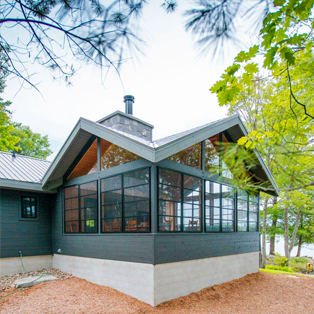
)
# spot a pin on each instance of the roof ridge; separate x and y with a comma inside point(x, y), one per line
point(24, 156)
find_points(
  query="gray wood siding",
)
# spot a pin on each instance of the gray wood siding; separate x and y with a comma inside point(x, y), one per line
point(181, 247)
point(122, 247)
point(31, 237)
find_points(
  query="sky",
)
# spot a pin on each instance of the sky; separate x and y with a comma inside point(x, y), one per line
point(170, 83)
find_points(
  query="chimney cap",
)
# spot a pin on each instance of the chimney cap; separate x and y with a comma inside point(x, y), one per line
point(128, 97)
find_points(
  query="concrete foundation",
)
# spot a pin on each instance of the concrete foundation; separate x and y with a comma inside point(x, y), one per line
point(12, 265)
point(155, 284)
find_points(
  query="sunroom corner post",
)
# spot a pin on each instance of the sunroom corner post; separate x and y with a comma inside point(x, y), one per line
point(154, 201)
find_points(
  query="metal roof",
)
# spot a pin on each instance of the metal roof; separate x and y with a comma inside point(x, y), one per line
point(22, 168)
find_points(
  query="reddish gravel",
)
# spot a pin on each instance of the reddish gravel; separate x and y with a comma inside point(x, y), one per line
point(257, 293)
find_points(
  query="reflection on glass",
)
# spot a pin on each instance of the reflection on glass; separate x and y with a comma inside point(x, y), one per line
point(253, 212)
point(191, 156)
point(212, 206)
point(126, 196)
point(225, 163)
point(242, 210)
point(80, 214)
point(212, 154)
point(113, 155)
point(87, 164)
point(228, 202)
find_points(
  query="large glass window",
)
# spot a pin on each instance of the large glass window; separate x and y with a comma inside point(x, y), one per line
point(192, 188)
point(125, 202)
point(227, 208)
point(87, 164)
point(212, 154)
point(225, 164)
point(191, 156)
point(113, 155)
point(253, 213)
point(242, 210)
point(179, 202)
point(212, 206)
point(80, 209)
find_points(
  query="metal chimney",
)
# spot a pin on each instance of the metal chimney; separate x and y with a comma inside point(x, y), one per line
point(129, 100)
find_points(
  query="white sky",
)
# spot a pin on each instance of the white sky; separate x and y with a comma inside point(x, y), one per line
point(170, 83)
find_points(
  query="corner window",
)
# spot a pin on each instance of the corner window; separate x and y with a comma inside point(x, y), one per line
point(29, 207)
point(212, 206)
point(80, 209)
point(179, 202)
point(253, 213)
point(242, 210)
point(125, 202)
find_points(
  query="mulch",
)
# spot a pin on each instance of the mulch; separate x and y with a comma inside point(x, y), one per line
point(256, 293)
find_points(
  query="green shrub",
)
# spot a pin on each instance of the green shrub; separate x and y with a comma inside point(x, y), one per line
point(298, 263)
point(282, 268)
point(281, 261)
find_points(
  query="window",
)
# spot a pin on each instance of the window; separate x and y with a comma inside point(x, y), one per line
point(242, 210)
point(179, 202)
point(191, 156)
point(125, 202)
point(212, 206)
point(253, 213)
point(113, 155)
point(227, 208)
point(87, 164)
point(225, 169)
point(29, 207)
point(80, 209)
point(212, 154)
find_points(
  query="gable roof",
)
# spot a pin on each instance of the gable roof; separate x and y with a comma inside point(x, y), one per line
point(22, 171)
point(153, 151)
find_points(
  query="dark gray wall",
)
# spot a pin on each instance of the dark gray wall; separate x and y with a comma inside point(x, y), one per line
point(122, 247)
point(31, 237)
point(173, 248)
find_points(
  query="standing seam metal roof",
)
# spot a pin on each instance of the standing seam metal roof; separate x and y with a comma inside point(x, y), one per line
point(22, 168)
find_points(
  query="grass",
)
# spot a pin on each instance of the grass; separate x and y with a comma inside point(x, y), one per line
point(272, 271)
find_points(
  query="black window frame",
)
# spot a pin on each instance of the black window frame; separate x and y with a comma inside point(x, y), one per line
point(121, 175)
point(182, 174)
point(80, 208)
point(22, 207)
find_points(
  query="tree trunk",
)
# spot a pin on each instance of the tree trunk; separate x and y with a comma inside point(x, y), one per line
point(273, 237)
point(289, 248)
point(263, 264)
point(299, 247)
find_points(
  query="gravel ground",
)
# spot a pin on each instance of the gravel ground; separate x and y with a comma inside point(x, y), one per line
point(256, 293)
point(7, 282)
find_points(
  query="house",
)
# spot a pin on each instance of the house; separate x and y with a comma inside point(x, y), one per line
point(153, 219)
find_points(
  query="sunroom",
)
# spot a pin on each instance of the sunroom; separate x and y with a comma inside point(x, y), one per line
point(144, 216)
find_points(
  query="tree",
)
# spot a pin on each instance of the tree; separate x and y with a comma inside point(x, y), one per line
point(30, 143)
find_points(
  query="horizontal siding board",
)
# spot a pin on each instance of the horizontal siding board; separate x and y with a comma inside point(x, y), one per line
point(181, 247)
point(31, 237)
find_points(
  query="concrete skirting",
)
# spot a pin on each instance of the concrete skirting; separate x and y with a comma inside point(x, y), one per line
point(12, 265)
point(155, 284)
point(134, 279)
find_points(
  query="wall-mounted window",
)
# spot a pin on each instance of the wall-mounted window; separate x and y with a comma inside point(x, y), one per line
point(227, 208)
point(87, 164)
point(191, 156)
point(253, 213)
point(212, 206)
point(113, 155)
point(242, 206)
point(225, 163)
point(29, 207)
point(80, 208)
point(212, 154)
point(125, 202)
point(179, 202)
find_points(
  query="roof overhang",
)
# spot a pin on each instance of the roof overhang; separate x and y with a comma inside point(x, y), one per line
point(84, 129)
point(25, 186)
